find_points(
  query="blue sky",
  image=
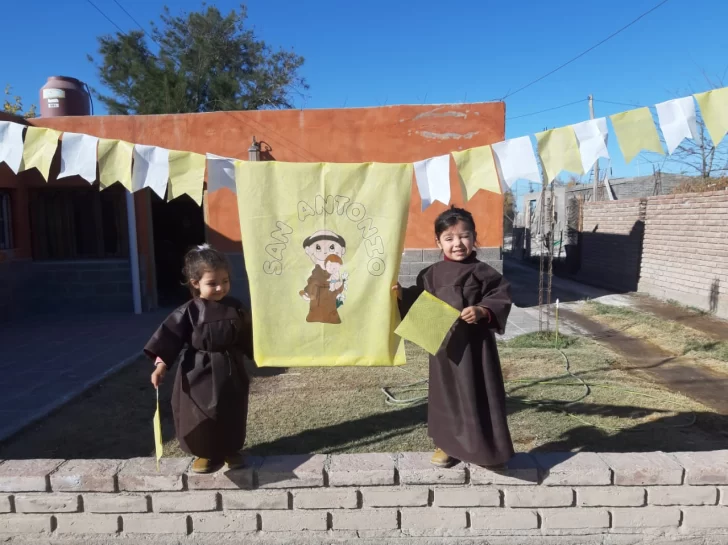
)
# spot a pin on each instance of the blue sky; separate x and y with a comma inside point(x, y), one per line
point(374, 53)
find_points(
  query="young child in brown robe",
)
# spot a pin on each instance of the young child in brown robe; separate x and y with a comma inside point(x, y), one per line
point(211, 334)
point(467, 410)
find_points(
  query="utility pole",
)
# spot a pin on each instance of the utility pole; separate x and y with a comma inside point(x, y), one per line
point(596, 165)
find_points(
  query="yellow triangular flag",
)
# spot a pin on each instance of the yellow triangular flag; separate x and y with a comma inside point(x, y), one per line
point(158, 446)
point(476, 169)
point(559, 150)
point(186, 175)
point(714, 108)
point(636, 131)
point(428, 322)
point(38, 149)
point(115, 163)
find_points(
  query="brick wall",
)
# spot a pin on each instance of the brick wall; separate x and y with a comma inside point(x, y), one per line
point(75, 286)
point(611, 243)
point(655, 497)
point(413, 261)
point(685, 254)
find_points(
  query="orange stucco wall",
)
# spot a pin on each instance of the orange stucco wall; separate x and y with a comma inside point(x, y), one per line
point(385, 134)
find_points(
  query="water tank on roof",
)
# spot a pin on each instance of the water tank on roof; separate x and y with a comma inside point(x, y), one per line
point(62, 96)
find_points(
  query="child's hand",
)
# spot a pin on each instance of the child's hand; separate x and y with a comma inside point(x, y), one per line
point(398, 289)
point(158, 375)
point(472, 315)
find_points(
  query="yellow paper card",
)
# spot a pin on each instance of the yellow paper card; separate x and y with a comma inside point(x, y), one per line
point(636, 131)
point(323, 244)
point(559, 150)
point(115, 163)
point(158, 446)
point(186, 175)
point(476, 169)
point(38, 149)
point(714, 108)
point(428, 322)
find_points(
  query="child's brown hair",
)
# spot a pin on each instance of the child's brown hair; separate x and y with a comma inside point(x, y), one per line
point(200, 260)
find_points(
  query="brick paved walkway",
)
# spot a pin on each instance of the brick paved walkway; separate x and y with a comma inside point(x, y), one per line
point(48, 360)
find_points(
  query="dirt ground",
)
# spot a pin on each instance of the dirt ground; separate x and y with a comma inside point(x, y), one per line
point(597, 404)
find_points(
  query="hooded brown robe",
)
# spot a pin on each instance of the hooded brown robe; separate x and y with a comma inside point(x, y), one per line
point(467, 409)
point(322, 307)
point(211, 387)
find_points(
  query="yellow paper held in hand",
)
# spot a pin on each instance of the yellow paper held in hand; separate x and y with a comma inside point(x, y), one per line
point(428, 322)
point(159, 448)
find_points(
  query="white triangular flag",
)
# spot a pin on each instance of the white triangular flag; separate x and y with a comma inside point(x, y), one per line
point(592, 137)
point(11, 144)
point(151, 169)
point(677, 121)
point(78, 156)
point(433, 180)
point(220, 173)
point(608, 187)
point(516, 160)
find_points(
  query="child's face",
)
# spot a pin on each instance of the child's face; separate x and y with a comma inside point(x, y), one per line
point(333, 268)
point(214, 285)
point(457, 242)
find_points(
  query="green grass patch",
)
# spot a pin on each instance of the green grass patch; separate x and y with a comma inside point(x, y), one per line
point(717, 350)
point(541, 340)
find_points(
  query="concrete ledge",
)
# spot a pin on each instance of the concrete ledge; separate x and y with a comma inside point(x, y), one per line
point(554, 498)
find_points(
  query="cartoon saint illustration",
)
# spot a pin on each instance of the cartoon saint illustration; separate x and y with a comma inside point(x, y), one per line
point(325, 249)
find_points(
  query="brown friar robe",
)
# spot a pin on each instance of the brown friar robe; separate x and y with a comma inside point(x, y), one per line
point(322, 308)
point(467, 409)
point(211, 387)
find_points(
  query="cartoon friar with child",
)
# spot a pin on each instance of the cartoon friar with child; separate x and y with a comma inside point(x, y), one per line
point(326, 288)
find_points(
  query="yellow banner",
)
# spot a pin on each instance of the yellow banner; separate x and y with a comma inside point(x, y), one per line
point(559, 150)
point(115, 163)
point(636, 131)
point(39, 148)
point(714, 108)
point(323, 244)
point(186, 175)
point(476, 169)
point(428, 322)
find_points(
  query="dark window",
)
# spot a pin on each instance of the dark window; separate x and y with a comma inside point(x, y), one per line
point(6, 221)
point(78, 223)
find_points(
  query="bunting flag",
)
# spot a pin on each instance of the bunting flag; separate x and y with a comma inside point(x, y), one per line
point(714, 108)
point(115, 158)
point(677, 121)
point(559, 150)
point(636, 131)
point(477, 170)
point(186, 175)
point(150, 169)
point(433, 180)
point(38, 150)
point(220, 173)
point(78, 156)
point(428, 322)
point(592, 138)
point(323, 244)
point(11, 144)
point(515, 160)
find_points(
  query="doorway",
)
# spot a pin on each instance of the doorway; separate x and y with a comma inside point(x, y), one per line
point(177, 226)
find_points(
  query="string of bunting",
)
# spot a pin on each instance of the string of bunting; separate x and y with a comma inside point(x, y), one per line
point(574, 148)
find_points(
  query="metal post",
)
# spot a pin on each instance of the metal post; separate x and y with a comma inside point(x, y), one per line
point(596, 165)
point(133, 253)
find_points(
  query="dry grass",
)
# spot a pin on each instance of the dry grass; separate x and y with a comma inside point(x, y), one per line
point(342, 410)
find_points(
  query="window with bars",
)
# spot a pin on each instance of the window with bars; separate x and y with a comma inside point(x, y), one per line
point(78, 223)
point(6, 221)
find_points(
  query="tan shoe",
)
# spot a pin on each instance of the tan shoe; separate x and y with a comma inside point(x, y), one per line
point(235, 461)
point(441, 459)
point(205, 465)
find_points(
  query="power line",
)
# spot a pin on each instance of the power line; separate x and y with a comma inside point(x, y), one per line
point(105, 16)
point(546, 110)
point(137, 23)
point(617, 103)
point(580, 55)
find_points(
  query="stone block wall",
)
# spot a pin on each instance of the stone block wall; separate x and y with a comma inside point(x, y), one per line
point(69, 286)
point(611, 243)
point(685, 254)
point(550, 498)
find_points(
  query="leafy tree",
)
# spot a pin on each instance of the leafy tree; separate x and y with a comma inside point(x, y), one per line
point(14, 105)
point(207, 62)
